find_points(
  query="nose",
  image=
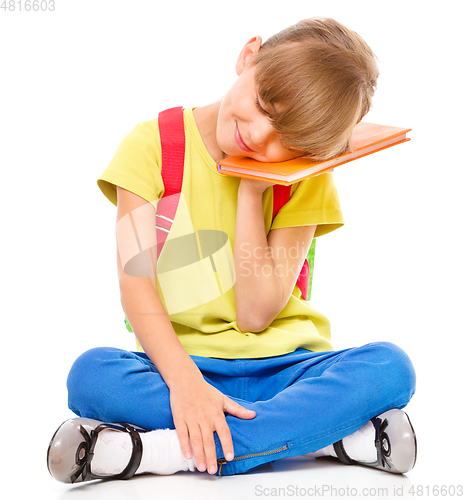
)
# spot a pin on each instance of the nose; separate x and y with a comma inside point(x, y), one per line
point(261, 132)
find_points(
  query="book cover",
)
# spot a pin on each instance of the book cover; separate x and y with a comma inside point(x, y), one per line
point(367, 138)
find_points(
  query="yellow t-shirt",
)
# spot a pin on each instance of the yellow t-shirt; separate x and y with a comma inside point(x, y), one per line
point(196, 282)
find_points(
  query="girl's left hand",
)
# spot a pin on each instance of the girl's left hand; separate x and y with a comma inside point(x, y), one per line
point(262, 186)
point(255, 185)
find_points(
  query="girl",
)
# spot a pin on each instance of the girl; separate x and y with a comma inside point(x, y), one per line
point(234, 367)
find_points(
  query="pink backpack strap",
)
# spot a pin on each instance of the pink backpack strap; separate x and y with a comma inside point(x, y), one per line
point(172, 138)
point(281, 195)
point(173, 144)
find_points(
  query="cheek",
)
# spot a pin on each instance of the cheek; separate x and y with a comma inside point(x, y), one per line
point(221, 127)
point(277, 153)
point(225, 134)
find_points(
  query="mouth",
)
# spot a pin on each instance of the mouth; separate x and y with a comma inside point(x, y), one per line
point(240, 142)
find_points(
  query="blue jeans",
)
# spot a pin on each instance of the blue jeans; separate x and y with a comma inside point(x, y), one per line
point(303, 401)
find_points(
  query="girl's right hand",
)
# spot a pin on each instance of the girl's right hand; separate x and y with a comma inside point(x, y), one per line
point(198, 411)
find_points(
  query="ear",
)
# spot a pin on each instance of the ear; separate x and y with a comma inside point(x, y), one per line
point(249, 50)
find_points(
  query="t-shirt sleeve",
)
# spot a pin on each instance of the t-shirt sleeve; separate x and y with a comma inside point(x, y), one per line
point(136, 165)
point(312, 202)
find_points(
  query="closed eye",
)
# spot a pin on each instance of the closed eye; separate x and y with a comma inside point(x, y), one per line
point(261, 109)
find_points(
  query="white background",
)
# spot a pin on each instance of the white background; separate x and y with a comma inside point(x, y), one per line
point(76, 80)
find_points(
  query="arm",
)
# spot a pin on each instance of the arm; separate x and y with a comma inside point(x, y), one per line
point(266, 268)
point(197, 407)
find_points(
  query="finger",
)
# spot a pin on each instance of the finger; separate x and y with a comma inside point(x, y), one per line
point(224, 435)
point(237, 410)
point(183, 436)
point(197, 446)
point(209, 448)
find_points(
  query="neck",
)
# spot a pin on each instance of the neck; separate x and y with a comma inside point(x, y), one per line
point(206, 118)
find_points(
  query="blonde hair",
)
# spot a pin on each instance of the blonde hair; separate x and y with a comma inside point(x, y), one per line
point(319, 78)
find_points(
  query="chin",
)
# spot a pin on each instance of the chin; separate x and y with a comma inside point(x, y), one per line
point(229, 151)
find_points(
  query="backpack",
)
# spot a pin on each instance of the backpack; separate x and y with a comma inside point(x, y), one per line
point(172, 138)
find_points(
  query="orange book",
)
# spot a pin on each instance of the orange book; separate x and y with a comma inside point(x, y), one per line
point(367, 138)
